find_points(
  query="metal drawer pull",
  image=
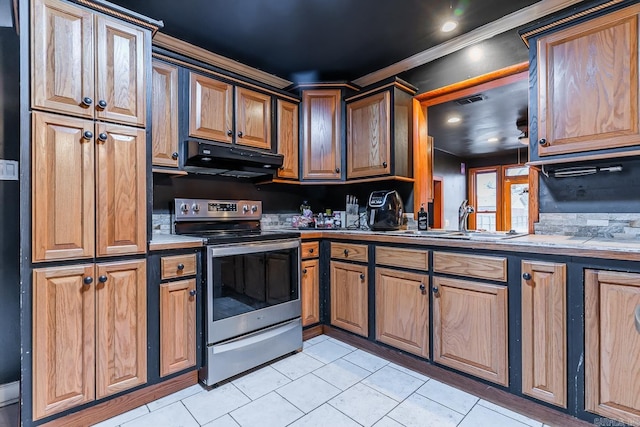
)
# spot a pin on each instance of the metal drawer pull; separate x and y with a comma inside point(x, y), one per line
point(638, 319)
point(346, 252)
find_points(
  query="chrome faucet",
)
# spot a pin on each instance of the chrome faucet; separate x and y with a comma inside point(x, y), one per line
point(463, 212)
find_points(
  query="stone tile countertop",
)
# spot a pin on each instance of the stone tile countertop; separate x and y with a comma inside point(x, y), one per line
point(533, 243)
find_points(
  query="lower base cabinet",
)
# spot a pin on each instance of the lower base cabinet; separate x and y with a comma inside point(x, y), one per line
point(89, 333)
point(177, 326)
point(544, 331)
point(470, 328)
point(310, 288)
point(349, 293)
point(612, 345)
point(402, 310)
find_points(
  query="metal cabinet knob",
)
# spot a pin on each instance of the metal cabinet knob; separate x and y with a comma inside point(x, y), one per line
point(346, 252)
point(87, 134)
point(240, 134)
point(174, 156)
point(180, 267)
point(384, 164)
point(435, 289)
point(193, 292)
point(361, 276)
point(423, 288)
point(311, 250)
point(86, 101)
point(102, 279)
point(102, 136)
point(102, 104)
point(543, 142)
point(304, 271)
point(229, 132)
point(337, 170)
point(526, 276)
point(87, 280)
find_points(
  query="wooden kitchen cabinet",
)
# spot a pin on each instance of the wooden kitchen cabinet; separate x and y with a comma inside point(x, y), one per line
point(544, 331)
point(214, 116)
point(89, 333)
point(470, 328)
point(288, 139)
point(87, 65)
point(177, 326)
point(164, 114)
point(588, 91)
point(349, 297)
point(310, 287)
point(253, 118)
point(72, 159)
point(380, 131)
point(369, 136)
point(612, 345)
point(321, 142)
point(402, 310)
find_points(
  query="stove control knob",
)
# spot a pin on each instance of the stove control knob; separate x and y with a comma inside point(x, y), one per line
point(245, 208)
point(254, 209)
point(184, 208)
point(195, 207)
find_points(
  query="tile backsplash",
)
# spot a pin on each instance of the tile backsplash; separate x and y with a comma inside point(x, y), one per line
point(600, 225)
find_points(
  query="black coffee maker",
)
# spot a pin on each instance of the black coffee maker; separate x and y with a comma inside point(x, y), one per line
point(384, 210)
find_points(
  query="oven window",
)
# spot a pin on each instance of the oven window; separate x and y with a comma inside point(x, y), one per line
point(248, 282)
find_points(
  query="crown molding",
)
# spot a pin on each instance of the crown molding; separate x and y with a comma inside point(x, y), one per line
point(178, 46)
point(499, 26)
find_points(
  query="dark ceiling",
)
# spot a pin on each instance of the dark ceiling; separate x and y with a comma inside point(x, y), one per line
point(484, 115)
point(319, 40)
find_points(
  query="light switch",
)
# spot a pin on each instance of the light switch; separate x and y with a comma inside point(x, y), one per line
point(8, 170)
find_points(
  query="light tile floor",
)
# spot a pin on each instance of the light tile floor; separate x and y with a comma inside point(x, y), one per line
point(329, 383)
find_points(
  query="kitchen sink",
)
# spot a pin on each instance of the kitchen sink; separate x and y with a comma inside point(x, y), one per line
point(464, 235)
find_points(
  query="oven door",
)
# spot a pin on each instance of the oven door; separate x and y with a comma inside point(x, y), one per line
point(251, 286)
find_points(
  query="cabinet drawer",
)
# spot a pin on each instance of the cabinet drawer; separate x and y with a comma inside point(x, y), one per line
point(177, 266)
point(310, 250)
point(481, 267)
point(350, 252)
point(405, 258)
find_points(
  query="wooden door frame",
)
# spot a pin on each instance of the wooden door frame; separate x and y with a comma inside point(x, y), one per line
point(423, 157)
point(438, 201)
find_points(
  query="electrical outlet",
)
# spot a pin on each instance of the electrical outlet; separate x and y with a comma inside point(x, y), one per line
point(8, 170)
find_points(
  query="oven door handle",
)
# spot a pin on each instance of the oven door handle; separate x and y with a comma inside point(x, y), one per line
point(254, 247)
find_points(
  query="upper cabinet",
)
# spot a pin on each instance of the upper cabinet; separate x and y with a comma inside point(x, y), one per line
point(379, 132)
point(214, 115)
point(322, 141)
point(164, 114)
point(86, 64)
point(585, 80)
point(288, 139)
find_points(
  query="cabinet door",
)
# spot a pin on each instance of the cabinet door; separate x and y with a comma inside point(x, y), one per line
point(164, 114)
point(349, 305)
point(402, 310)
point(470, 328)
point(612, 345)
point(62, 58)
point(121, 223)
point(544, 331)
point(62, 191)
point(588, 85)
point(120, 72)
point(121, 326)
point(310, 288)
point(369, 136)
point(253, 118)
point(63, 339)
point(211, 109)
point(177, 326)
point(321, 142)
point(288, 140)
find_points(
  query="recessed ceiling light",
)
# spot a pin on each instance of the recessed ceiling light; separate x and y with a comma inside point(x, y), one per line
point(475, 53)
point(453, 119)
point(492, 139)
point(448, 26)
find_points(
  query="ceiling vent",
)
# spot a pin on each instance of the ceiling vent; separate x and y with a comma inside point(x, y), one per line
point(470, 100)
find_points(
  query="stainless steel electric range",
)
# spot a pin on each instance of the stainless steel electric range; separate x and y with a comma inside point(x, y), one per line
point(252, 285)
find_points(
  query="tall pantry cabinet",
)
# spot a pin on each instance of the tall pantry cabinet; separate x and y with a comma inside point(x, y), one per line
point(88, 74)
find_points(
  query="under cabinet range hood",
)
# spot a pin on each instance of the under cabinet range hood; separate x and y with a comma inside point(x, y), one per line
point(229, 160)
